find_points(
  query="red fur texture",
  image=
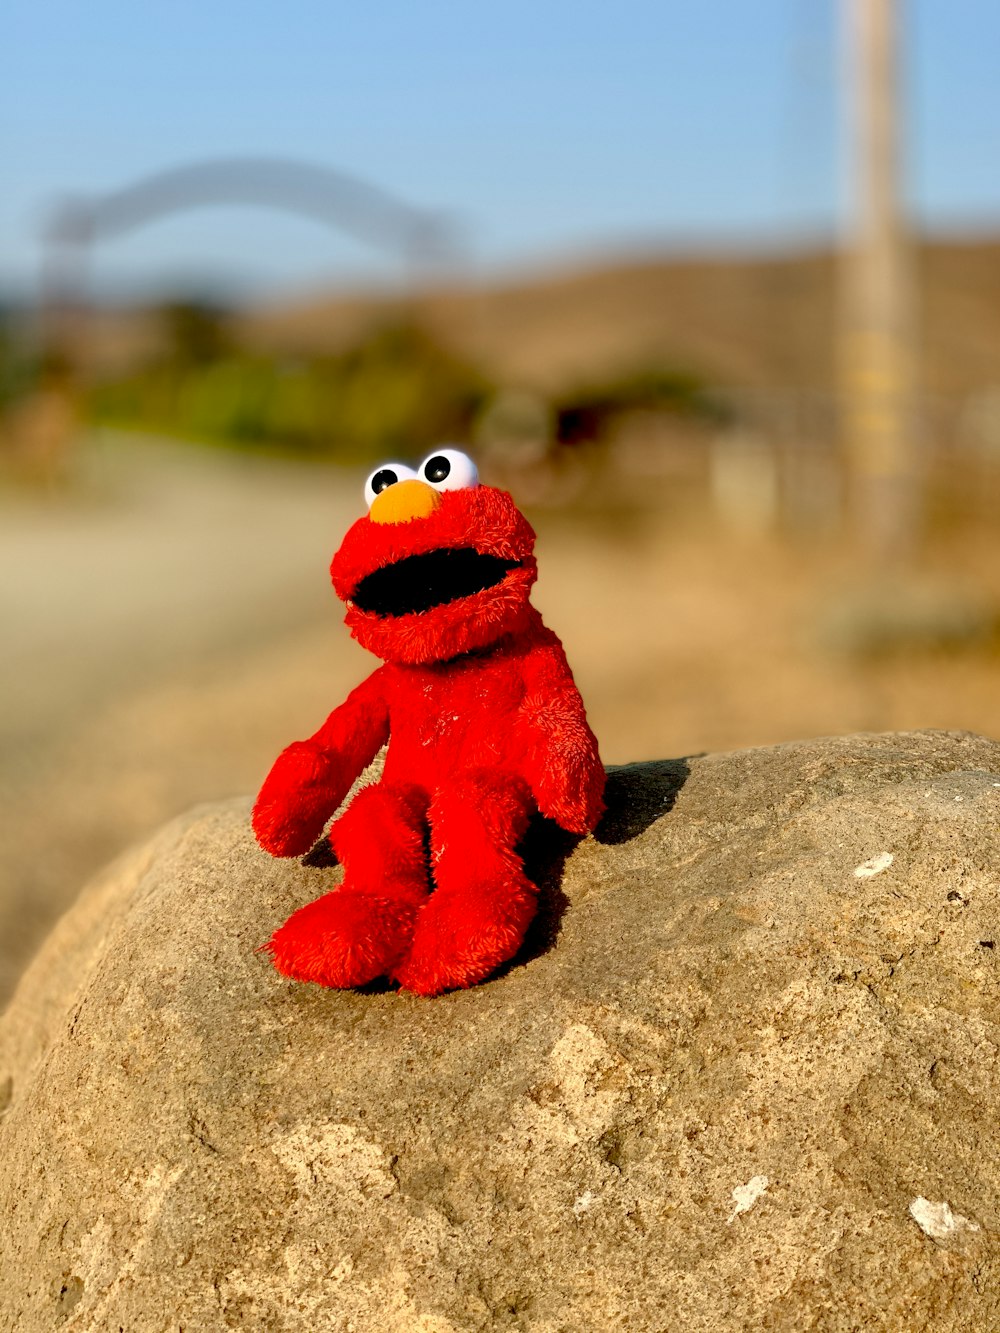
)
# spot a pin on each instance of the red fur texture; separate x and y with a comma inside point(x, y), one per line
point(485, 726)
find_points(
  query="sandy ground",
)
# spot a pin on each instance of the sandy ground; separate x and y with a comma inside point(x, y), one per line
point(168, 627)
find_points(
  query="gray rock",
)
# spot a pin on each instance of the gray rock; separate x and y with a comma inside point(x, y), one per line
point(753, 1084)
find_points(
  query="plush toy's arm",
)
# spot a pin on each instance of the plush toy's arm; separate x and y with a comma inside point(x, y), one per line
point(310, 778)
point(562, 763)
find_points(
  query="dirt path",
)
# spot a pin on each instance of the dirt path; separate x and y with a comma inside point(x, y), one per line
point(160, 566)
point(156, 556)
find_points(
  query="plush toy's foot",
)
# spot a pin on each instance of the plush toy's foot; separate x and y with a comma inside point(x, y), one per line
point(361, 930)
point(483, 904)
point(464, 934)
point(347, 937)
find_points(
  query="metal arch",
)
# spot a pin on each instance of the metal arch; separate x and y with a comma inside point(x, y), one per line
point(331, 197)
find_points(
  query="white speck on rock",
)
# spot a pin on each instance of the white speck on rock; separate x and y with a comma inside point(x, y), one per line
point(875, 866)
point(745, 1196)
point(583, 1204)
point(937, 1220)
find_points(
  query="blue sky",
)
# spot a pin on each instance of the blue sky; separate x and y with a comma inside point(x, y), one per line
point(553, 129)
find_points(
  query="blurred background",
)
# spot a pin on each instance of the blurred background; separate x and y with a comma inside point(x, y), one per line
point(713, 290)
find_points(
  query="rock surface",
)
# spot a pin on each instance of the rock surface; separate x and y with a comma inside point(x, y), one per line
point(752, 1084)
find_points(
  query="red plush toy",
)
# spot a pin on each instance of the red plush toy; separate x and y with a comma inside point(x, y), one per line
point(486, 727)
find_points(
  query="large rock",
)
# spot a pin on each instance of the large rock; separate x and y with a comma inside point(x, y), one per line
point(752, 1083)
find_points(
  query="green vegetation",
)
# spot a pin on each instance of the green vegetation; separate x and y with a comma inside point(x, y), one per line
point(396, 390)
point(19, 372)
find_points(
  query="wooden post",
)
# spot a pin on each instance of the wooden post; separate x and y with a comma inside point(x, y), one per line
point(877, 347)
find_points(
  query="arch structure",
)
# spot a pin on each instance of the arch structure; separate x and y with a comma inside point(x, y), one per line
point(336, 199)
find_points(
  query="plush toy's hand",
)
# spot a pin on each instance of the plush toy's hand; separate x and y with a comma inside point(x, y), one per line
point(576, 803)
point(561, 762)
point(564, 769)
point(310, 778)
point(295, 801)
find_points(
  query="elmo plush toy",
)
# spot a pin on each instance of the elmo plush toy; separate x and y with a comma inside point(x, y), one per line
point(485, 726)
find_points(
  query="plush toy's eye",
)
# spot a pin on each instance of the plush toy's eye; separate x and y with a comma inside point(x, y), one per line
point(449, 470)
point(387, 474)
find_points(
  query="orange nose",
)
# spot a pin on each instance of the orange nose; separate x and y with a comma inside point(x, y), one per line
point(403, 501)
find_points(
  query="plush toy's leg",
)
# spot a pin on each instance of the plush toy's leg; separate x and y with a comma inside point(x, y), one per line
point(483, 903)
point(359, 930)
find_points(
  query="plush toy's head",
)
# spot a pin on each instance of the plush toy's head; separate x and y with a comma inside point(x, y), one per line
point(439, 565)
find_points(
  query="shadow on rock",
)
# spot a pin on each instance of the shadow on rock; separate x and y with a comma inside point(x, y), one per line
point(637, 795)
point(544, 848)
point(320, 856)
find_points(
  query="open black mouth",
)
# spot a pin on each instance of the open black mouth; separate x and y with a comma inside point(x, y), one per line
point(419, 582)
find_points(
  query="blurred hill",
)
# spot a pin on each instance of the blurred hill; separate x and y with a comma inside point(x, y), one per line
point(745, 322)
point(741, 322)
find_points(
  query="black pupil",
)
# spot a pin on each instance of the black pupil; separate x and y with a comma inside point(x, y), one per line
point(383, 479)
point(436, 469)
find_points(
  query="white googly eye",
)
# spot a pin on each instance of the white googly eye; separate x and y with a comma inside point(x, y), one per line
point(386, 474)
point(449, 470)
